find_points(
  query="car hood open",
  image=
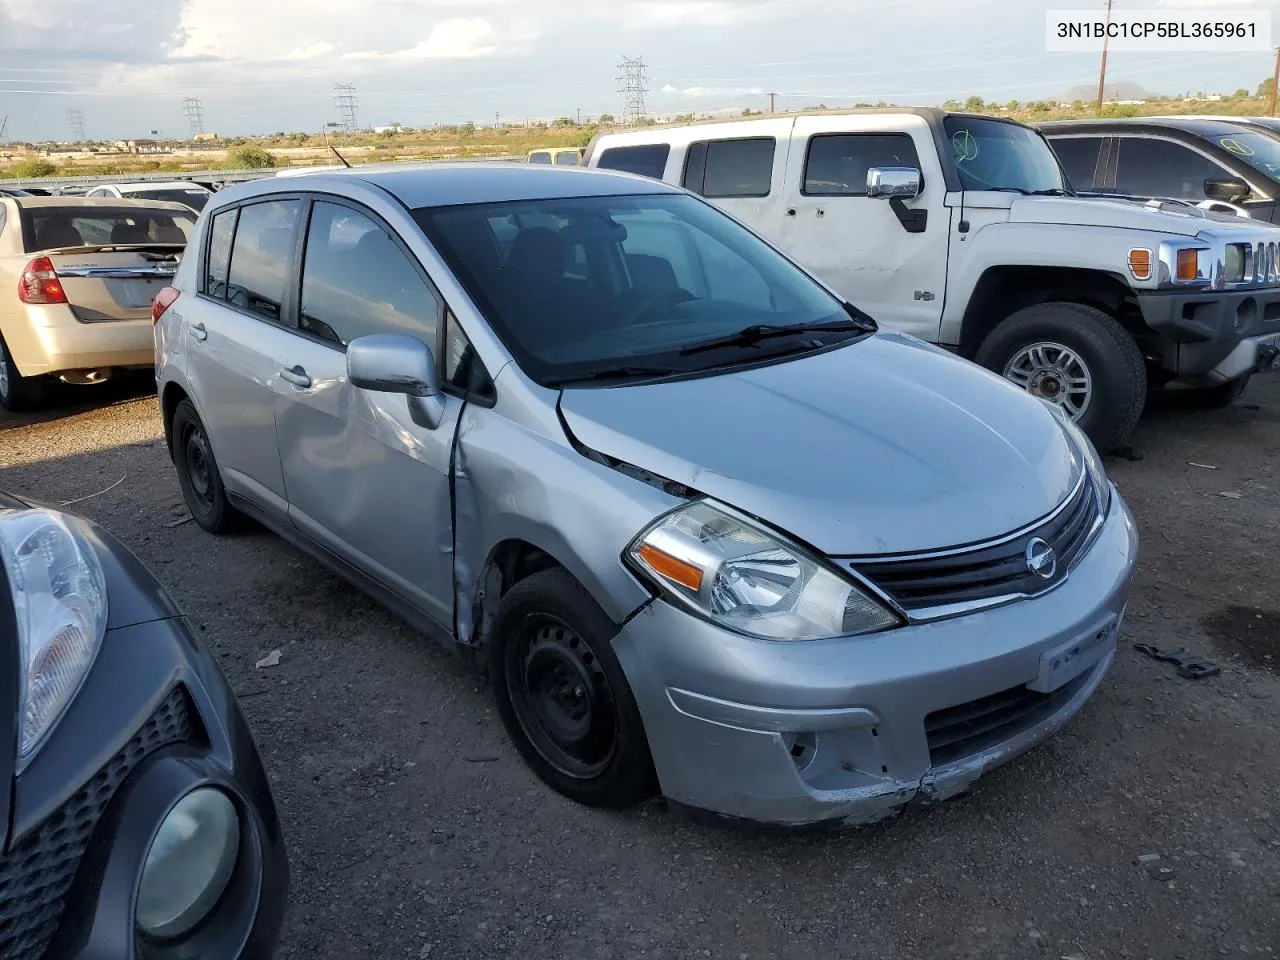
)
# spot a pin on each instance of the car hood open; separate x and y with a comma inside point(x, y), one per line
point(885, 446)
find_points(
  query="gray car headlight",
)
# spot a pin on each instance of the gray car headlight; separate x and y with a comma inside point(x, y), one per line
point(60, 598)
point(189, 865)
point(752, 581)
point(1081, 443)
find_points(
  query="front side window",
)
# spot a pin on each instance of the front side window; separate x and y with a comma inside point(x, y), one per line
point(648, 160)
point(260, 257)
point(1149, 167)
point(594, 283)
point(837, 164)
point(730, 168)
point(356, 281)
point(995, 155)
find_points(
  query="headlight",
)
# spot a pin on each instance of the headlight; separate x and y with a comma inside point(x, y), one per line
point(751, 581)
point(189, 864)
point(1233, 263)
point(60, 597)
point(1092, 462)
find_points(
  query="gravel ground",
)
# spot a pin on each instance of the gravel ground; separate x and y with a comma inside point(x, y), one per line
point(415, 831)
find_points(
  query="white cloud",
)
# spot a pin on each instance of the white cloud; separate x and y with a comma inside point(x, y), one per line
point(456, 38)
point(694, 92)
point(309, 52)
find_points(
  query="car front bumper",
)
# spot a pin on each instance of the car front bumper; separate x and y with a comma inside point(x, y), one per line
point(51, 340)
point(154, 720)
point(852, 729)
point(1213, 336)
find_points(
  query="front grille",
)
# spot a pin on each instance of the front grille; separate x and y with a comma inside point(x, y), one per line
point(987, 573)
point(964, 730)
point(36, 874)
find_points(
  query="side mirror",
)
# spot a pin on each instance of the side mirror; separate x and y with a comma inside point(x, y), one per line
point(398, 363)
point(1226, 189)
point(893, 182)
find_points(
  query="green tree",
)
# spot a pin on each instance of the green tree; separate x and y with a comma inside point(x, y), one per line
point(1240, 94)
point(467, 129)
point(565, 122)
point(33, 167)
point(974, 104)
point(607, 118)
point(1264, 88)
point(948, 105)
point(250, 158)
point(1013, 105)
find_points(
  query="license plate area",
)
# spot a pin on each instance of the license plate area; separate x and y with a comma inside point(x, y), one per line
point(1067, 661)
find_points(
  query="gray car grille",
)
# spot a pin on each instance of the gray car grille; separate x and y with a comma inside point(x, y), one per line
point(37, 872)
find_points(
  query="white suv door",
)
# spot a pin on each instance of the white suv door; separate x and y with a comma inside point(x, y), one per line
point(857, 243)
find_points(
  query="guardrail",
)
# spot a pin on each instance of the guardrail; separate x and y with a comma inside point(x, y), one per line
point(217, 179)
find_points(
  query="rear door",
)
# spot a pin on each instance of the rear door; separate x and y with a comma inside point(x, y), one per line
point(856, 243)
point(363, 480)
point(117, 283)
point(236, 341)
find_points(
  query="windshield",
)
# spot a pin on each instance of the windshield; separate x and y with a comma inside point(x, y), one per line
point(992, 155)
point(195, 199)
point(1259, 150)
point(577, 286)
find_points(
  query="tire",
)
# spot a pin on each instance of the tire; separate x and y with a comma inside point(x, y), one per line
point(18, 393)
point(562, 694)
point(1222, 395)
point(198, 474)
point(1029, 345)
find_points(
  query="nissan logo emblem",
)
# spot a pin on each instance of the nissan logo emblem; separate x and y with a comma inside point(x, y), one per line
point(1041, 559)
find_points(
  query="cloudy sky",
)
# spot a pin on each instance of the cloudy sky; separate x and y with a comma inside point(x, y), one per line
point(265, 65)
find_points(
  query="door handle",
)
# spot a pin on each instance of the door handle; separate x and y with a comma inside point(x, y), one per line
point(295, 375)
point(198, 331)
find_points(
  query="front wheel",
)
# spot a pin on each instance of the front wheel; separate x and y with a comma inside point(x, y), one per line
point(1077, 358)
point(562, 694)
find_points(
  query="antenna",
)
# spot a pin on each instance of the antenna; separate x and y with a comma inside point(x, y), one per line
point(76, 119)
point(194, 110)
point(631, 84)
point(346, 101)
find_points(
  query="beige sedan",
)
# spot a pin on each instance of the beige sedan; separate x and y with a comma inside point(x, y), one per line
point(77, 279)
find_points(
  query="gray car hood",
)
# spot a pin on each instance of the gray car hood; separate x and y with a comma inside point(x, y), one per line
point(885, 446)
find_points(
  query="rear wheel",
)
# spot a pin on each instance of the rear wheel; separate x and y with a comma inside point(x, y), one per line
point(1217, 397)
point(563, 696)
point(17, 392)
point(1077, 358)
point(198, 474)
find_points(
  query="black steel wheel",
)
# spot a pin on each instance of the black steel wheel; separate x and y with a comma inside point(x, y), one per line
point(563, 696)
point(198, 472)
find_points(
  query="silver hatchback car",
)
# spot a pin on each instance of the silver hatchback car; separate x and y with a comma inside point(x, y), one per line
point(705, 529)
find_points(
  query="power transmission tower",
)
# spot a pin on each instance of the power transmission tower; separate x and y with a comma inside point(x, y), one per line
point(194, 110)
point(76, 119)
point(346, 101)
point(631, 84)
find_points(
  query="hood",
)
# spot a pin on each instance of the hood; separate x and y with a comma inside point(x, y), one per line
point(1132, 215)
point(885, 446)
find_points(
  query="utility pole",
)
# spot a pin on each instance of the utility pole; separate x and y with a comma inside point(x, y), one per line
point(1102, 73)
point(346, 102)
point(194, 110)
point(579, 116)
point(1275, 79)
point(76, 119)
point(771, 96)
point(631, 84)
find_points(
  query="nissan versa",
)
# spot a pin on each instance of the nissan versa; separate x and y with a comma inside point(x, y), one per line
point(136, 821)
point(706, 529)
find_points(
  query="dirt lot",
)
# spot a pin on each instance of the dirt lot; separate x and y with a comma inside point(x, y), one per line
point(415, 831)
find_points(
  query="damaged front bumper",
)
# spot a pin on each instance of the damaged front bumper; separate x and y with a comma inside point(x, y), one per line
point(853, 729)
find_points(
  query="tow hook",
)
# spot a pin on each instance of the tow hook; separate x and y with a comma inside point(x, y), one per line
point(1268, 357)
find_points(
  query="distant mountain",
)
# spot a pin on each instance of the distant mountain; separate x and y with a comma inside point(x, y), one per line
point(1119, 90)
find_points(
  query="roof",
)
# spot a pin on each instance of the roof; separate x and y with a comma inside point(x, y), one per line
point(452, 184)
point(1205, 127)
point(108, 203)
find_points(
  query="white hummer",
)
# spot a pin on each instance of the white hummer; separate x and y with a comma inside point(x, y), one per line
point(962, 230)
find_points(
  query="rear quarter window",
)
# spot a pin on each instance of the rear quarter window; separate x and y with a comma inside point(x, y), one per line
point(648, 160)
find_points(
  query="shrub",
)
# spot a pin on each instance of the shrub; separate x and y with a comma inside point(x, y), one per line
point(33, 167)
point(250, 158)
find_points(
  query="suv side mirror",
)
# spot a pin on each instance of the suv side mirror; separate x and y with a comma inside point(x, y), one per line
point(398, 363)
point(893, 182)
point(1226, 189)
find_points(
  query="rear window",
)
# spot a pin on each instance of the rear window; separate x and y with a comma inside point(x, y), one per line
point(542, 157)
point(50, 228)
point(196, 199)
point(567, 158)
point(648, 160)
point(730, 168)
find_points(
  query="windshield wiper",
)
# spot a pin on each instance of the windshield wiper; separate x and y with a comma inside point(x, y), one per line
point(750, 336)
point(621, 371)
point(1051, 192)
